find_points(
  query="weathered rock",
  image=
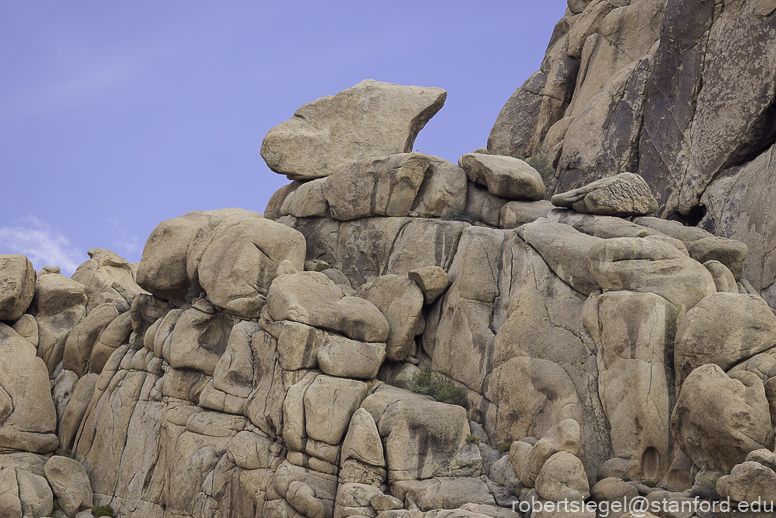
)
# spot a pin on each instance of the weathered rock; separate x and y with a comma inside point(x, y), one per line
point(27, 328)
point(370, 119)
point(613, 490)
point(235, 370)
point(400, 300)
point(504, 176)
point(232, 253)
point(502, 473)
point(34, 493)
point(648, 265)
point(433, 280)
point(375, 187)
point(362, 441)
point(723, 277)
point(350, 358)
point(635, 331)
point(562, 476)
point(70, 483)
point(517, 213)
point(602, 137)
point(748, 482)
point(76, 409)
point(444, 493)
point(443, 191)
point(107, 278)
point(724, 329)
point(312, 298)
point(308, 200)
point(17, 286)
point(60, 305)
point(367, 248)
point(735, 205)
point(198, 341)
point(272, 211)
point(28, 418)
point(729, 252)
point(329, 404)
point(565, 250)
point(625, 194)
point(482, 206)
point(458, 333)
point(420, 436)
point(718, 420)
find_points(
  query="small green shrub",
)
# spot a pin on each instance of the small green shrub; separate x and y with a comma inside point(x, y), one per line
point(103, 510)
point(427, 215)
point(432, 384)
point(643, 233)
point(504, 447)
point(473, 439)
point(137, 343)
point(322, 266)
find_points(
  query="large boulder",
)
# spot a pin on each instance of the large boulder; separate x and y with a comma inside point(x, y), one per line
point(374, 187)
point(420, 435)
point(28, 418)
point(312, 298)
point(233, 254)
point(565, 250)
point(59, 306)
point(17, 286)
point(370, 119)
point(504, 176)
point(634, 333)
point(718, 419)
point(400, 299)
point(107, 278)
point(649, 265)
point(724, 329)
point(625, 194)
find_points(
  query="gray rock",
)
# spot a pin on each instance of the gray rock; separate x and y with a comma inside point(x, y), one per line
point(625, 194)
point(504, 176)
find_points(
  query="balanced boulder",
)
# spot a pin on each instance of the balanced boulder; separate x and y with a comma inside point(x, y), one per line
point(625, 194)
point(369, 120)
point(504, 176)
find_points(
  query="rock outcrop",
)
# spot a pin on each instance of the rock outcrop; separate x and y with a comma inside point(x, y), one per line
point(401, 336)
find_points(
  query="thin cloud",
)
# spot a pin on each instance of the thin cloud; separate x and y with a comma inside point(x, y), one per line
point(124, 242)
point(42, 244)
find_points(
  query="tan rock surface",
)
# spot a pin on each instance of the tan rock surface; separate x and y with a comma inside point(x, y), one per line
point(375, 187)
point(335, 129)
point(312, 298)
point(719, 419)
point(504, 176)
point(17, 286)
point(400, 300)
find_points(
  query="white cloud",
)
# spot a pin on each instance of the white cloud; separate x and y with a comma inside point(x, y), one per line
point(42, 244)
point(123, 241)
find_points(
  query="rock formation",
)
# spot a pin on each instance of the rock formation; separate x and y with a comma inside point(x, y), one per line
point(401, 336)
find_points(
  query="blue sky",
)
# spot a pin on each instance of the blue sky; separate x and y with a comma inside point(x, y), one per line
point(116, 115)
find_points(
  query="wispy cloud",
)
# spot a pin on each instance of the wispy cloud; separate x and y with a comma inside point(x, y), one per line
point(123, 241)
point(42, 244)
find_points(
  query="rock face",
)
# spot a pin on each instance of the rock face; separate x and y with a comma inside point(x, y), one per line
point(655, 87)
point(376, 343)
point(371, 119)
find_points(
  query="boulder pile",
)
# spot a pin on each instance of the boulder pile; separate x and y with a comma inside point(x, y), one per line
point(400, 336)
